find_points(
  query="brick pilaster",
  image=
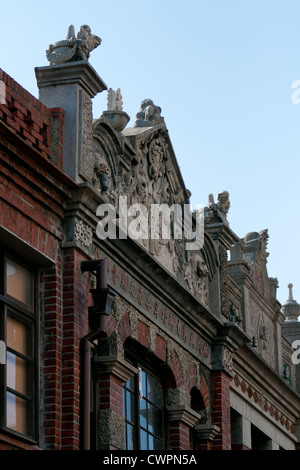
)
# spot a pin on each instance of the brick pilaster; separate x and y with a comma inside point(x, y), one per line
point(75, 327)
point(221, 409)
point(112, 373)
point(181, 419)
point(179, 436)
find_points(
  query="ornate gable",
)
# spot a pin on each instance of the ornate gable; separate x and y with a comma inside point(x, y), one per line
point(139, 162)
point(255, 253)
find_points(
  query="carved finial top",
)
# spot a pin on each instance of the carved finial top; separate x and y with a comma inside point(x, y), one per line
point(73, 48)
point(148, 115)
point(223, 202)
point(114, 100)
point(291, 308)
point(217, 211)
point(290, 287)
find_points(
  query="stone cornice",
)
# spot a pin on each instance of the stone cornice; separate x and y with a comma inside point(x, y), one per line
point(206, 431)
point(184, 414)
point(120, 368)
point(79, 72)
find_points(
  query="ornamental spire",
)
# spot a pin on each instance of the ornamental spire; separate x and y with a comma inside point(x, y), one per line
point(291, 308)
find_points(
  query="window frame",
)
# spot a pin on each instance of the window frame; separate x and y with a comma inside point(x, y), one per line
point(29, 317)
point(136, 424)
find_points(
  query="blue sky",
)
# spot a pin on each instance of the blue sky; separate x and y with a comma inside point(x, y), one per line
point(222, 72)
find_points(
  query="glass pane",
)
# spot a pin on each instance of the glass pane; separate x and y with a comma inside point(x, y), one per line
point(143, 440)
point(150, 442)
point(158, 444)
point(143, 413)
point(16, 413)
point(130, 407)
point(17, 335)
point(154, 390)
point(19, 282)
point(150, 387)
point(155, 420)
point(130, 384)
point(16, 373)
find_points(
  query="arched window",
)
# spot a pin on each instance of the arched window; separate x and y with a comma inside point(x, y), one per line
point(144, 411)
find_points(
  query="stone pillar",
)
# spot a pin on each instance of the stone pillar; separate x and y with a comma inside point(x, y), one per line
point(71, 86)
point(241, 433)
point(112, 373)
point(180, 419)
point(271, 445)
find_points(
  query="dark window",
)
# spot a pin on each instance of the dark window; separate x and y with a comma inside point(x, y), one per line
point(143, 411)
point(18, 329)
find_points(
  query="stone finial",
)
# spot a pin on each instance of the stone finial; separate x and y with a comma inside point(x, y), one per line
point(290, 287)
point(148, 115)
point(115, 115)
point(223, 202)
point(114, 100)
point(255, 243)
point(73, 48)
point(216, 211)
point(291, 308)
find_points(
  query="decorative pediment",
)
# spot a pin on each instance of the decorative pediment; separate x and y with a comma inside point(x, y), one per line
point(139, 163)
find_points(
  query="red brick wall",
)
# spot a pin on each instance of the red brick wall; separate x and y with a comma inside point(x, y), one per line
point(179, 436)
point(51, 355)
point(221, 409)
point(76, 301)
point(161, 348)
point(33, 195)
point(124, 327)
point(28, 208)
point(143, 334)
point(110, 393)
point(25, 115)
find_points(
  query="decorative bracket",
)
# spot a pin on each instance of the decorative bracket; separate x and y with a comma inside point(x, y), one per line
point(103, 295)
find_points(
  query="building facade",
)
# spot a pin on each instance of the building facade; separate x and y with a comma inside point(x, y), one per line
point(114, 336)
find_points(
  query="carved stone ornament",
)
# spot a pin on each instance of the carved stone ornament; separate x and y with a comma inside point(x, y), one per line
point(73, 48)
point(152, 179)
point(148, 115)
point(227, 359)
point(83, 233)
point(216, 211)
point(196, 275)
point(115, 115)
point(255, 244)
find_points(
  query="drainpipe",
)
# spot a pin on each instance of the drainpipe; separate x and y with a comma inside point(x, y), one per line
point(103, 297)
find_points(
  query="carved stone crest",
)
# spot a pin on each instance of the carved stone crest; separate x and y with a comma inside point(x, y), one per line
point(73, 47)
